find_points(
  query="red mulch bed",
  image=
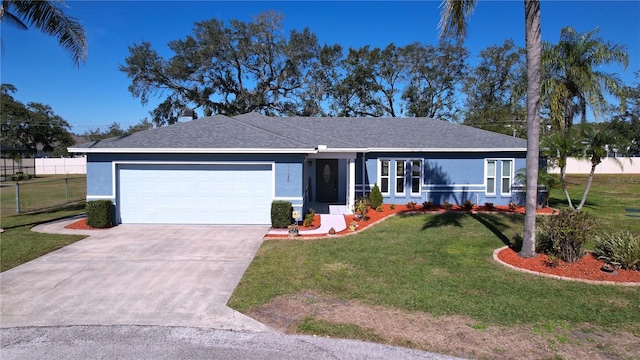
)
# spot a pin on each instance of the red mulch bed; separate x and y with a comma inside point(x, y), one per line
point(82, 225)
point(587, 268)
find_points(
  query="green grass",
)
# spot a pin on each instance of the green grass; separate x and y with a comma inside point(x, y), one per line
point(18, 244)
point(442, 264)
point(610, 195)
point(43, 192)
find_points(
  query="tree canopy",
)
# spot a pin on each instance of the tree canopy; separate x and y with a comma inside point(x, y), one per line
point(32, 125)
point(242, 67)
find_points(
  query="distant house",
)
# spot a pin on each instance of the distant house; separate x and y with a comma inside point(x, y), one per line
point(228, 170)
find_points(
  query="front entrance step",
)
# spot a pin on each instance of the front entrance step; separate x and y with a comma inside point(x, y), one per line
point(338, 210)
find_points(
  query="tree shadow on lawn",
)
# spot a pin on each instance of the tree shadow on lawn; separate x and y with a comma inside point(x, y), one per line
point(443, 219)
point(497, 224)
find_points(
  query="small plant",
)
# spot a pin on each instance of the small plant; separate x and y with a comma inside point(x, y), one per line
point(619, 249)
point(512, 206)
point(489, 205)
point(447, 205)
point(552, 261)
point(392, 206)
point(294, 230)
point(468, 205)
point(379, 208)
point(353, 226)
point(375, 197)
point(361, 207)
point(411, 205)
point(565, 235)
point(332, 231)
point(308, 219)
point(427, 205)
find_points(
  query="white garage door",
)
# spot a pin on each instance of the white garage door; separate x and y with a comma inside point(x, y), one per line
point(195, 194)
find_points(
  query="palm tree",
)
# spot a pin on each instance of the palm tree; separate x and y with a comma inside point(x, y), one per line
point(48, 17)
point(453, 21)
point(557, 147)
point(571, 84)
point(572, 81)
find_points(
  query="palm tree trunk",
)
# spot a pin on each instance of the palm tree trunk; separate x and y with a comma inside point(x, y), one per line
point(563, 181)
point(534, 52)
point(587, 187)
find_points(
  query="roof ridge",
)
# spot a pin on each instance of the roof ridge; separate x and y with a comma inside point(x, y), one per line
point(267, 131)
point(279, 119)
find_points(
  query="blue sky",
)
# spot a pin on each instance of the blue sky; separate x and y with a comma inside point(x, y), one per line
point(95, 94)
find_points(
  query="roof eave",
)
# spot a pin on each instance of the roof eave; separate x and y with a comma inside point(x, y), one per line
point(188, 150)
point(447, 149)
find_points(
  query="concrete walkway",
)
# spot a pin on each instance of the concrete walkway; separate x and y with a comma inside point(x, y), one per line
point(326, 222)
point(165, 275)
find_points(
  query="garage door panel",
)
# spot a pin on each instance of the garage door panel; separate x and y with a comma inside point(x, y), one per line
point(195, 194)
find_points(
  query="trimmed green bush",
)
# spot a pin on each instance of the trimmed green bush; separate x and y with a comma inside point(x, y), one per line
point(100, 213)
point(619, 249)
point(281, 214)
point(375, 197)
point(308, 219)
point(564, 235)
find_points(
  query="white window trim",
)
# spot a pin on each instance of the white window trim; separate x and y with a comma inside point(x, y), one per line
point(387, 176)
point(486, 176)
point(510, 177)
point(420, 177)
point(395, 177)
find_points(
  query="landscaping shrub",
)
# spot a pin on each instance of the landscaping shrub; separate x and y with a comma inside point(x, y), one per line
point(564, 235)
point(308, 219)
point(99, 213)
point(375, 196)
point(361, 207)
point(427, 205)
point(619, 249)
point(411, 205)
point(281, 214)
point(468, 205)
point(447, 205)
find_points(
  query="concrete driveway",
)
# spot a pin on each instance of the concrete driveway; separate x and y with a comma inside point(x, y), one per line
point(165, 275)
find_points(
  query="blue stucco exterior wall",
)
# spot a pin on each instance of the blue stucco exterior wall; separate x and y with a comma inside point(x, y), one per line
point(452, 177)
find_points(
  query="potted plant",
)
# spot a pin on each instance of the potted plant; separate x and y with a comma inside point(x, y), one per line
point(294, 230)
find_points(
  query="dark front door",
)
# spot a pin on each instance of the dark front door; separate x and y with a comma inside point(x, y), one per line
point(327, 180)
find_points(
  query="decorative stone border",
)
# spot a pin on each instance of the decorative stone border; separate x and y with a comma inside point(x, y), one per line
point(595, 282)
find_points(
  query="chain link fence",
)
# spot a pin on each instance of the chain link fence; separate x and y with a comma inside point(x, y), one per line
point(36, 194)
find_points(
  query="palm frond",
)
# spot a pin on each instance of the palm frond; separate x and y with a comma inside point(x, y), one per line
point(454, 17)
point(49, 17)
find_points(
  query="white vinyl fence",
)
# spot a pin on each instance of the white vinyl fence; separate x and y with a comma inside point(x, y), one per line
point(608, 166)
point(61, 166)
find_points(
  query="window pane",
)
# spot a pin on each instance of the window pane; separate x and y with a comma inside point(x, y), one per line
point(491, 168)
point(491, 185)
point(400, 168)
point(416, 169)
point(505, 185)
point(415, 185)
point(506, 168)
point(400, 185)
point(384, 185)
point(385, 168)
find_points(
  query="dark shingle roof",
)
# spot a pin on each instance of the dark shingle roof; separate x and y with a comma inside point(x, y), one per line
point(256, 131)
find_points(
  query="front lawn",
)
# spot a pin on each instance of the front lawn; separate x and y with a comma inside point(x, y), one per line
point(441, 265)
point(18, 244)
